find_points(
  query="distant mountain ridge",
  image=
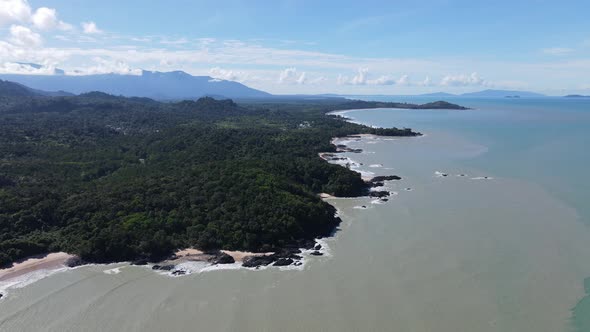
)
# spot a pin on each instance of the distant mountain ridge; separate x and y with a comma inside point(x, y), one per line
point(576, 96)
point(502, 94)
point(12, 89)
point(156, 85)
point(487, 94)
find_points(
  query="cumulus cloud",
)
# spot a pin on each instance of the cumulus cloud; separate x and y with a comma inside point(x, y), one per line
point(362, 78)
point(463, 80)
point(427, 82)
point(13, 11)
point(383, 80)
point(558, 50)
point(106, 66)
point(404, 80)
point(26, 69)
point(90, 28)
point(228, 74)
point(46, 19)
point(291, 76)
point(23, 36)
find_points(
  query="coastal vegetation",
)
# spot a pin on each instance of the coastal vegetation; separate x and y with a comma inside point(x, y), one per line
point(113, 179)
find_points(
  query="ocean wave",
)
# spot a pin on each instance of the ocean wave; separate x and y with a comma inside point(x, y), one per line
point(27, 279)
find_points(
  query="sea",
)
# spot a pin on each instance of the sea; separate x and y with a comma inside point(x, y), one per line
point(488, 230)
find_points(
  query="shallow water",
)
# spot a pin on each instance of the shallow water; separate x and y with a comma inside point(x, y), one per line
point(455, 253)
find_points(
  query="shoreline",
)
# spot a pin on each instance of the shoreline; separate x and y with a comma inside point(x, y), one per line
point(50, 261)
point(286, 256)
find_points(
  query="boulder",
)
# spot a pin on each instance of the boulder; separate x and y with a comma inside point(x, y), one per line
point(179, 272)
point(283, 262)
point(74, 261)
point(141, 261)
point(385, 178)
point(379, 194)
point(163, 267)
point(222, 258)
point(256, 261)
point(317, 247)
point(316, 253)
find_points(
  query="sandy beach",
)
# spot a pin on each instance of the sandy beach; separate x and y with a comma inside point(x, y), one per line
point(49, 262)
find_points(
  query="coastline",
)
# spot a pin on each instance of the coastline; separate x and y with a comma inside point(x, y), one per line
point(51, 261)
point(282, 257)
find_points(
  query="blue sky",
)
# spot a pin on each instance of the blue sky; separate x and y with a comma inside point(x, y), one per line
point(369, 47)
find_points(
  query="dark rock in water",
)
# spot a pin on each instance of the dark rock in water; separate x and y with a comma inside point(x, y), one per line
point(385, 178)
point(297, 263)
point(306, 244)
point(179, 272)
point(74, 261)
point(287, 253)
point(1, 295)
point(283, 262)
point(379, 194)
point(317, 247)
point(163, 267)
point(256, 261)
point(142, 261)
point(384, 199)
point(316, 253)
point(376, 184)
point(222, 258)
point(364, 206)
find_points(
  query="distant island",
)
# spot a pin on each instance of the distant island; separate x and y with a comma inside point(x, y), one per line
point(576, 96)
point(111, 178)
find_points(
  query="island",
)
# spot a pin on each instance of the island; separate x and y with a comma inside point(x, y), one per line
point(112, 179)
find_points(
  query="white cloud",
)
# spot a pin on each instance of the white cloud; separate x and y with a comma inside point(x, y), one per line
point(46, 19)
point(383, 80)
point(291, 76)
point(228, 75)
point(427, 81)
point(463, 80)
point(558, 50)
point(106, 66)
point(90, 28)
point(23, 36)
point(361, 77)
point(12, 11)
point(404, 80)
point(25, 69)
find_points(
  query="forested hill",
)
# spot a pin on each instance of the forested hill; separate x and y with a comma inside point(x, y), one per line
point(113, 178)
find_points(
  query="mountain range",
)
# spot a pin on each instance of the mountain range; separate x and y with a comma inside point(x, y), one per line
point(151, 84)
point(488, 94)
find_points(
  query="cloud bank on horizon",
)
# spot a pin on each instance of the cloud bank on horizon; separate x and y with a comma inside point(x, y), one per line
point(303, 47)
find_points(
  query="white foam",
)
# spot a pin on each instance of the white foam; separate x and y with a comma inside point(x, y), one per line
point(115, 270)
point(376, 165)
point(482, 178)
point(360, 207)
point(27, 279)
point(440, 174)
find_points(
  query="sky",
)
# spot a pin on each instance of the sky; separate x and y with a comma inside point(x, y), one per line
point(291, 47)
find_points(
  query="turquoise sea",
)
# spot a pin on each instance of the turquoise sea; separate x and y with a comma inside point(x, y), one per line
point(502, 243)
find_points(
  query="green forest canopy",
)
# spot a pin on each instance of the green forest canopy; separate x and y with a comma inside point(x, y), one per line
point(114, 179)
